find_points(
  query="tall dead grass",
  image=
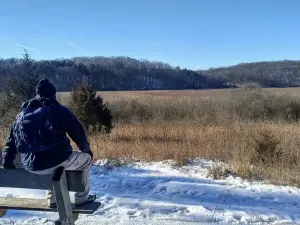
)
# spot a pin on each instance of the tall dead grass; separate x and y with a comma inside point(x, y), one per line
point(239, 144)
point(246, 104)
point(256, 132)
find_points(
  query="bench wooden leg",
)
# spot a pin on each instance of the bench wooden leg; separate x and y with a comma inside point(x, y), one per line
point(75, 216)
point(62, 196)
point(57, 222)
point(3, 212)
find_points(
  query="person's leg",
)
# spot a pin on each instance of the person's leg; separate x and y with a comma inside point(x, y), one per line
point(78, 161)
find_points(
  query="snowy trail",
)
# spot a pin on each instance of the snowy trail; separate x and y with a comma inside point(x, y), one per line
point(158, 193)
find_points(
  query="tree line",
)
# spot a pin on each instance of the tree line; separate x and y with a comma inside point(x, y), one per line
point(111, 73)
point(125, 73)
point(285, 73)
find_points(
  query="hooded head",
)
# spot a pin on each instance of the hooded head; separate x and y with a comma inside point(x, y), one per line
point(45, 89)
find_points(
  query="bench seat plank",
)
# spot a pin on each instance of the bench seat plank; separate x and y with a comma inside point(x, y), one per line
point(19, 178)
point(41, 205)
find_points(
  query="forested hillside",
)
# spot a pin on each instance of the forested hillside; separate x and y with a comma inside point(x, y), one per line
point(267, 74)
point(124, 73)
point(114, 73)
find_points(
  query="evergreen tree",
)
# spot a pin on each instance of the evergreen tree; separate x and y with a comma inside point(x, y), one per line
point(90, 109)
point(22, 86)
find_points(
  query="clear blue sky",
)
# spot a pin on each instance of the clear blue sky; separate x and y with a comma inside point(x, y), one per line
point(195, 34)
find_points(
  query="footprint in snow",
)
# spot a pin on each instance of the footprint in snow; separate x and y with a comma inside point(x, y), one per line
point(175, 193)
point(163, 190)
point(103, 185)
point(189, 193)
point(237, 216)
point(141, 183)
point(108, 199)
point(192, 193)
point(270, 198)
point(131, 212)
point(184, 192)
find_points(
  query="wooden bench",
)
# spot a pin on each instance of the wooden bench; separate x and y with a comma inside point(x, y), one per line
point(61, 182)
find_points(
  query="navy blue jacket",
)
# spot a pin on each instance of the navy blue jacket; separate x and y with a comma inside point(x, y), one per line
point(64, 123)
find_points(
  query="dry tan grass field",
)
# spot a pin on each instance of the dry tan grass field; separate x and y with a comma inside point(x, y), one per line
point(200, 128)
point(211, 93)
point(243, 128)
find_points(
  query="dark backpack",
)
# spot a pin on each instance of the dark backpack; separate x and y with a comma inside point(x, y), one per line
point(33, 130)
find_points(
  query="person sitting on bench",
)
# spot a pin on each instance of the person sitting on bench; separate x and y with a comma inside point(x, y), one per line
point(39, 135)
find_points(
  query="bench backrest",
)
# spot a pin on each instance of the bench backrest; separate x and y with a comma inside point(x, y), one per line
point(20, 178)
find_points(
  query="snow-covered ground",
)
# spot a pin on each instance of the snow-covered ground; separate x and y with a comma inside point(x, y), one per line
point(160, 193)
